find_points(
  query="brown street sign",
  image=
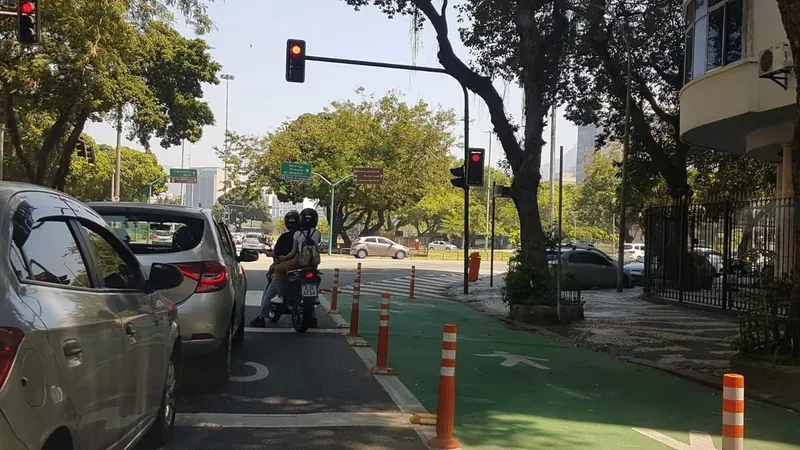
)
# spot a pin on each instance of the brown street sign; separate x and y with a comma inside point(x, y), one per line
point(368, 175)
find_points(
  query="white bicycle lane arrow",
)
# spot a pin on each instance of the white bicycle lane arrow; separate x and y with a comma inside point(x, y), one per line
point(697, 440)
point(512, 360)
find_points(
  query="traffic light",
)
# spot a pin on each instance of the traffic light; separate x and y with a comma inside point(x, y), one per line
point(81, 147)
point(90, 155)
point(475, 167)
point(458, 181)
point(295, 61)
point(29, 23)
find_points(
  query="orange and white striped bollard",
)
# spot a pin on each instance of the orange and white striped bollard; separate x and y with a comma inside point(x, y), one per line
point(358, 271)
point(354, 308)
point(335, 293)
point(413, 281)
point(381, 366)
point(446, 411)
point(732, 412)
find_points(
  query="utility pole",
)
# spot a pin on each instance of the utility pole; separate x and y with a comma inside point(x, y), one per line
point(2, 149)
point(488, 191)
point(553, 166)
point(183, 148)
point(227, 77)
point(117, 171)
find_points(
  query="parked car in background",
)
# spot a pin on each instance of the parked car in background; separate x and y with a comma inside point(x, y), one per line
point(378, 246)
point(211, 298)
point(635, 270)
point(441, 245)
point(255, 241)
point(631, 251)
point(586, 268)
point(90, 349)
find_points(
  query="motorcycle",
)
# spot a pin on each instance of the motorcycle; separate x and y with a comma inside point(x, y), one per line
point(300, 299)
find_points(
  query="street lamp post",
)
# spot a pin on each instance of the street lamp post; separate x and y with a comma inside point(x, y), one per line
point(488, 191)
point(333, 197)
point(228, 78)
point(150, 186)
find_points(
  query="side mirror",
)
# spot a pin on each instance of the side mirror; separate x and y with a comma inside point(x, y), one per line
point(163, 276)
point(247, 255)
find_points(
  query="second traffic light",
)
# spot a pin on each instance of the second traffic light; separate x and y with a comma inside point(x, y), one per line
point(475, 167)
point(295, 61)
point(29, 31)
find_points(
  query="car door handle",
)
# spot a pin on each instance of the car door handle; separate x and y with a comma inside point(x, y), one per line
point(130, 330)
point(72, 348)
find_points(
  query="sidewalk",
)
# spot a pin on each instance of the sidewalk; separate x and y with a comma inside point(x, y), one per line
point(624, 325)
point(522, 390)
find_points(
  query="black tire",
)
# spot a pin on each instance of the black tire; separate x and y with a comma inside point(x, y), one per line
point(273, 315)
point(238, 337)
point(361, 254)
point(400, 255)
point(431, 248)
point(162, 430)
point(303, 320)
point(219, 366)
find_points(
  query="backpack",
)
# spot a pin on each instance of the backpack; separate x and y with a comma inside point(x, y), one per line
point(308, 255)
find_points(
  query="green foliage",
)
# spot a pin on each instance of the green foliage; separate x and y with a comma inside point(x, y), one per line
point(525, 285)
point(239, 206)
point(83, 72)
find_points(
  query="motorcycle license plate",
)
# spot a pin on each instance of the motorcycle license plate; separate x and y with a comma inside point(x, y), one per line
point(309, 290)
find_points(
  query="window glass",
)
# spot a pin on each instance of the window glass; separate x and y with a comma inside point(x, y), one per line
point(688, 72)
point(690, 12)
point(114, 271)
point(715, 38)
point(224, 240)
point(628, 246)
point(53, 255)
point(150, 233)
point(592, 258)
point(578, 257)
point(733, 31)
point(385, 241)
point(18, 263)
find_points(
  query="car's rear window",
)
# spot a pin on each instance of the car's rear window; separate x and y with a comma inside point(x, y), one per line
point(153, 233)
point(252, 236)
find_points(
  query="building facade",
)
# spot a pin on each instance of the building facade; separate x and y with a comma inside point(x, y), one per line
point(739, 91)
point(585, 149)
point(210, 182)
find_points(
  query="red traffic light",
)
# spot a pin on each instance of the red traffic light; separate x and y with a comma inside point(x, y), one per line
point(476, 158)
point(27, 8)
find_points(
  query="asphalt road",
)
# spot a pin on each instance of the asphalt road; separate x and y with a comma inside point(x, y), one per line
point(292, 390)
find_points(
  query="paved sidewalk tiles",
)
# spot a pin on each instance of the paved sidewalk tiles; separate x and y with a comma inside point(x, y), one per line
point(520, 390)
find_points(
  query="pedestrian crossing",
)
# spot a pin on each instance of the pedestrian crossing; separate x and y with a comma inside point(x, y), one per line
point(425, 286)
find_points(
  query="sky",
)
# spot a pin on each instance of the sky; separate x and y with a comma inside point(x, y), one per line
point(250, 41)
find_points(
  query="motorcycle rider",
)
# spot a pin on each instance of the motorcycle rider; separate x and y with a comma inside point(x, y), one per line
point(283, 246)
point(308, 231)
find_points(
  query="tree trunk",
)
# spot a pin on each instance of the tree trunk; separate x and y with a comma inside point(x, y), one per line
point(790, 13)
point(60, 179)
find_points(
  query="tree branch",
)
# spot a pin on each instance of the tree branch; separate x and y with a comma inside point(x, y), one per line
point(474, 82)
point(16, 140)
point(52, 138)
point(60, 179)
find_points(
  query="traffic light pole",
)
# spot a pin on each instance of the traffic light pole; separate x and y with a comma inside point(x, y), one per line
point(357, 62)
point(333, 198)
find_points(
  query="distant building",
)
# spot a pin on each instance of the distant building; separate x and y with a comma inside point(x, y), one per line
point(210, 182)
point(585, 150)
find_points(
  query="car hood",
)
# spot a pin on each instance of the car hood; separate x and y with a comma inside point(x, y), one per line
point(634, 266)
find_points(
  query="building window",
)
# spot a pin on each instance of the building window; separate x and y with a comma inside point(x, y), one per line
point(713, 35)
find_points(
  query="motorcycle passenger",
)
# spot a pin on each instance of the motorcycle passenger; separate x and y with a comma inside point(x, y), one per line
point(283, 246)
point(307, 233)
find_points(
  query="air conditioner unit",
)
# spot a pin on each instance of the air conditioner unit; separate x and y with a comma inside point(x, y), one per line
point(774, 60)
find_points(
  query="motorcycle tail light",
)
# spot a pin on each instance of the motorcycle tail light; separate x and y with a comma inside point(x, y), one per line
point(308, 275)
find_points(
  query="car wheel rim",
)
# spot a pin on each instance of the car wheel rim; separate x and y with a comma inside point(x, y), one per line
point(169, 395)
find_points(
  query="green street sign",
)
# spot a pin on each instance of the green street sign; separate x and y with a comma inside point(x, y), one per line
point(183, 173)
point(295, 171)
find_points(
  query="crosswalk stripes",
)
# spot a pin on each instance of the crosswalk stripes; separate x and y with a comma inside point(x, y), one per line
point(425, 286)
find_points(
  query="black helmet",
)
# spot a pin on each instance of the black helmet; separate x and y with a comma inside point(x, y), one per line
point(308, 218)
point(291, 220)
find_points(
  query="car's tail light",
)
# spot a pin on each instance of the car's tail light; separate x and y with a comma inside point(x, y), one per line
point(211, 276)
point(10, 338)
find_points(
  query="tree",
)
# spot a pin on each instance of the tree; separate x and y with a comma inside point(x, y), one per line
point(239, 206)
point(597, 203)
point(790, 13)
point(523, 41)
point(88, 182)
point(410, 142)
point(82, 73)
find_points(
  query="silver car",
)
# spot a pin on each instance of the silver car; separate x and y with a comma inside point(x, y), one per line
point(89, 348)
point(254, 241)
point(441, 245)
point(211, 299)
point(378, 246)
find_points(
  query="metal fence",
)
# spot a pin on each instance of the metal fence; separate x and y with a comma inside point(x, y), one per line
point(731, 254)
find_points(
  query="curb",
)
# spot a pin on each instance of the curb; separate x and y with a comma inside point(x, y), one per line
point(690, 375)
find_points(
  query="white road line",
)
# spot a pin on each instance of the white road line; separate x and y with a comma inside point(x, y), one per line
point(311, 420)
point(292, 330)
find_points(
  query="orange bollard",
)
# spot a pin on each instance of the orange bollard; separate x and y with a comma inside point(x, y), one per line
point(358, 271)
point(732, 412)
point(354, 308)
point(413, 278)
point(381, 367)
point(335, 293)
point(445, 413)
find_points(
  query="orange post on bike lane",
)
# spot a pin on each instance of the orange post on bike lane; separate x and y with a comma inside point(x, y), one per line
point(413, 280)
point(445, 413)
point(381, 367)
point(335, 293)
point(354, 308)
point(732, 412)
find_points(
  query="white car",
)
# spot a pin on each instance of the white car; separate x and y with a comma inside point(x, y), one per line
point(633, 251)
point(441, 245)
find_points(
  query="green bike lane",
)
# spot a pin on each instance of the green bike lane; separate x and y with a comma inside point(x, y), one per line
point(517, 389)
